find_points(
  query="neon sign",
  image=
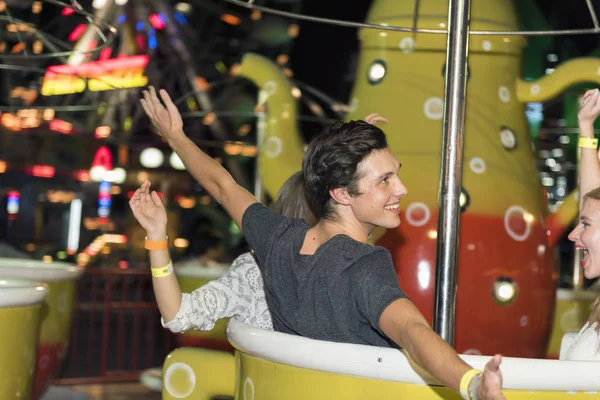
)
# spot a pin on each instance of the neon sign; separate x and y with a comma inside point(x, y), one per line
point(116, 73)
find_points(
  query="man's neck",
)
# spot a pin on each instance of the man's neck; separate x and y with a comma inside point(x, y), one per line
point(326, 229)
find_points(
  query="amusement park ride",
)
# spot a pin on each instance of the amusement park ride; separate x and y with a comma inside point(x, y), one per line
point(503, 255)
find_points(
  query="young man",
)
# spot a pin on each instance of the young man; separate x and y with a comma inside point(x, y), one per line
point(325, 282)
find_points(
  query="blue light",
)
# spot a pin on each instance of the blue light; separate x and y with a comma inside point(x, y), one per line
point(105, 187)
point(121, 19)
point(140, 26)
point(180, 18)
point(152, 42)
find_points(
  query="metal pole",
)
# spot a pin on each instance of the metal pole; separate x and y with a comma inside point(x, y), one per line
point(451, 173)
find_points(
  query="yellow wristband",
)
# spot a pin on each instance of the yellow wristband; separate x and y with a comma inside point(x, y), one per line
point(164, 271)
point(464, 383)
point(156, 244)
point(588, 142)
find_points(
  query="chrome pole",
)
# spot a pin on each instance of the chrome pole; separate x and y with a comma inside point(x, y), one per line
point(451, 172)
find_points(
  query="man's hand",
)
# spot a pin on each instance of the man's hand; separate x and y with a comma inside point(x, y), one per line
point(489, 386)
point(150, 212)
point(167, 120)
point(591, 107)
point(374, 119)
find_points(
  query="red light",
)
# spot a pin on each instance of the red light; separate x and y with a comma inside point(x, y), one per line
point(61, 126)
point(67, 11)
point(140, 42)
point(77, 32)
point(83, 176)
point(130, 194)
point(156, 21)
point(105, 54)
point(13, 194)
point(42, 171)
point(123, 264)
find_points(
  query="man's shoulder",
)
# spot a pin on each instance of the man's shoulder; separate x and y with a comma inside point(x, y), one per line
point(353, 251)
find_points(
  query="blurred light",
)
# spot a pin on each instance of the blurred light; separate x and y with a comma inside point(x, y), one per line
point(47, 259)
point(140, 26)
point(558, 153)
point(77, 32)
point(97, 173)
point(552, 57)
point(230, 19)
point(176, 162)
point(30, 247)
point(119, 175)
point(156, 21)
point(17, 48)
point(152, 43)
point(82, 176)
point(249, 151)
point(36, 7)
point(181, 243)
point(38, 47)
point(123, 264)
point(120, 2)
point(115, 190)
point(113, 238)
point(549, 71)
point(61, 126)
point(185, 8)
point(376, 72)
point(244, 130)
point(564, 139)
point(104, 54)
point(179, 17)
point(67, 11)
point(293, 30)
point(547, 181)
point(2, 167)
point(98, 4)
point(12, 203)
point(121, 19)
point(209, 118)
point(186, 202)
point(61, 255)
point(432, 234)
point(297, 93)
point(151, 157)
point(74, 225)
point(255, 15)
point(102, 132)
point(282, 59)
point(42, 171)
point(142, 177)
point(504, 291)
point(424, 274)
point(550, 162)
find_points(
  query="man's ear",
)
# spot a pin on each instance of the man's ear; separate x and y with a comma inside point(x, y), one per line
point(340, 196)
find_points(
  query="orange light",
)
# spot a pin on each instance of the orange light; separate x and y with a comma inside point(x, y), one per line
point(202, 83)
point(83, 176)
point(230, 19)
point(2, 167)
point(17, 48)
point(42, 171)
point(102, 132)
point(113, 238)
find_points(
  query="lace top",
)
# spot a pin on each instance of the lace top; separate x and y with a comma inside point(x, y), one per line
point(238, 294)
point(585, 345)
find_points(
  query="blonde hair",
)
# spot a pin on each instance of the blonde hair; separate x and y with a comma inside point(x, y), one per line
point(595, 309)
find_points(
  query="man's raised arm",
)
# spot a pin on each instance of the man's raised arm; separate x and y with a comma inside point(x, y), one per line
point(209, 173)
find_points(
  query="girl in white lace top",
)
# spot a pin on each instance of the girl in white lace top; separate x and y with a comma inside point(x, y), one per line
point(239, 294)
point(586, 234)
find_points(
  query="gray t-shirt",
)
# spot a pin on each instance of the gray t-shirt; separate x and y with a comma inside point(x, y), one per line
point(336, 294)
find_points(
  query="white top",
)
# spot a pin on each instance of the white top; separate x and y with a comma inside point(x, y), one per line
point(585, 346)
point(238, 294)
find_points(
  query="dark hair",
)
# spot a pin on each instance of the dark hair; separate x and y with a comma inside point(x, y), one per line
point(294, 201)
point(332, 158)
